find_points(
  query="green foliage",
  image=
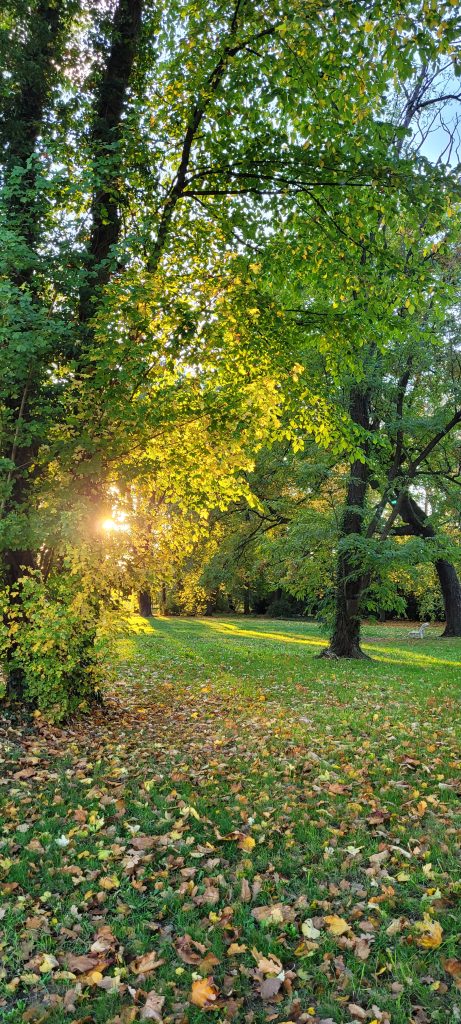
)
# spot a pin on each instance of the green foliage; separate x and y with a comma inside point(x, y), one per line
point(55, 643)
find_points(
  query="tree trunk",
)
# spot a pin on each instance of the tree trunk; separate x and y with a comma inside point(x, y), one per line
point(246, 601)
point(145, 604)
point(416, 518)
point(345, 639)
point(163, 599)
point(451, 593)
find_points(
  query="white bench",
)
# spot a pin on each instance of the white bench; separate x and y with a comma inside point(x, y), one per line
point(418, 634)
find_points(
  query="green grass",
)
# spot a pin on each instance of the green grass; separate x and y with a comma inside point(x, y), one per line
point(226, 724)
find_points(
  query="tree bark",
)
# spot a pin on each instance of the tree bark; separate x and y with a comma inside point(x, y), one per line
point(345, 639)
point(416, 518)
point(246, 601)
point(145, 603)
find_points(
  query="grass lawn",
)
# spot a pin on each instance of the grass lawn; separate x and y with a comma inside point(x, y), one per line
point(274, 836)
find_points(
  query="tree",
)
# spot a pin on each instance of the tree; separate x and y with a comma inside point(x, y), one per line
point(136, 182)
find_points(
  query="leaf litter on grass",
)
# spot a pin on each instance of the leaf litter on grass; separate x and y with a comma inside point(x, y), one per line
point(216, 844)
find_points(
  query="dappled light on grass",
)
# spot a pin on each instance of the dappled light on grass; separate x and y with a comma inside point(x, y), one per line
point(395, 655)
point(228, 627)
point(136, 624)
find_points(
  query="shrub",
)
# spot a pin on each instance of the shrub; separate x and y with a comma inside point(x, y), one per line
point(53, 641)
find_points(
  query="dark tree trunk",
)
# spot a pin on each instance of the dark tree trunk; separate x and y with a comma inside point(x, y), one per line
point(145, 604)
point(451, 593)
point(416, 518)
point(163, 599)
point(345, 639)
point(246, 601)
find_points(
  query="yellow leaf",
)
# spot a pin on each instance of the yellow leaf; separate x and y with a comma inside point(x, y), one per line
point(48, 963)
point(247, 843)
point(336, 925)
point(109, 882)
point(204, 993)
point(430, 933)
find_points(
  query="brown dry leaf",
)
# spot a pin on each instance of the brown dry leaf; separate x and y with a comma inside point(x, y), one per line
point(142, 842)
point(362, 948)
point(453, 967)
point(204, 993)
point(109, 984)
point(336, 925)
point(206, 965)
point(357, 1011)
point(104, 941)
point(395, 926)
point(269, 987)
point(144, 964)
point(245, 891)
point(82, 964)
point(267, 964)
point(152, 1009)
point(276, 914)
point(188, 950)
point(430, 933)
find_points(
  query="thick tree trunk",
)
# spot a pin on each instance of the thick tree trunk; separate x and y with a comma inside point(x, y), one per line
point(451, 593)
point(416, 518)
point(345, 639)
point(145, 604)
point(246, 601)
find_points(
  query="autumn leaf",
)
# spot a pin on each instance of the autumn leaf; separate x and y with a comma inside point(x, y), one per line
point(144, 964)
point(309, 930)
point(188, 950)
point(453, 967)
point(82, 964)
point(204, 993)
point(109, 882)
point(267, 964)
point(277, 913)
point(152, 1009)
point(336, 925)
point(429, 932)
point(49, 963)
point(247, 843)
point(234, 949)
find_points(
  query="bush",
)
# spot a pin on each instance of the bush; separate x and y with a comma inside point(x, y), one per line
point(53, 641)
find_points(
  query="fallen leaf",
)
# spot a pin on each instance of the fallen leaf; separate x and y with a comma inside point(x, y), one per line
point(453, 967)
point(144, 964)
point(309, 930)
point(48, 963)
point(269, 987)
point(152, 1009)
point(430, 933)
point(204, 993)
point(336, 925)
point(188, 950)
point(357, 1011)
point(247, 843)
point(267, 964)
